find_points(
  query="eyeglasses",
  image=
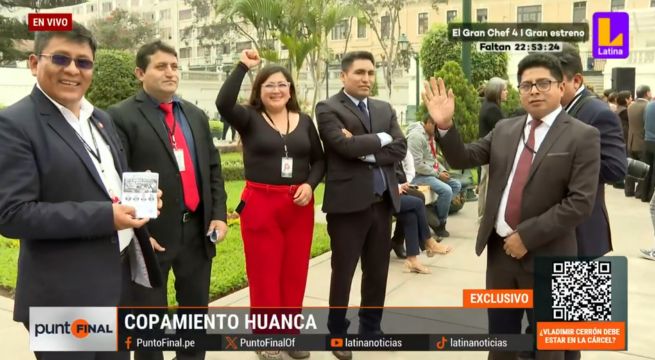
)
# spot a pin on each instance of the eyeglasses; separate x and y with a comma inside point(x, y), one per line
point(541, 84)
point(64, 61)
point(281, 85)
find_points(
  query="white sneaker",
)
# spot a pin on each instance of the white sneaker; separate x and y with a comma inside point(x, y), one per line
point(648, 253)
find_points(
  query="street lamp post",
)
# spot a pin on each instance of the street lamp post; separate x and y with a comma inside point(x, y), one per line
point(327, 78)
point(407, 53)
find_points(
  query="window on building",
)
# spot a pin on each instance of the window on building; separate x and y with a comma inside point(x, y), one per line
point(224, 48)
point(207, 51)
point(525, 14)
point(422, 23)
point(136, 3)
point(185, 53)
point(579, 11)
point(165, 33)
point(242, 45)
point(106, 7)
point(385, 26)
point(617, 5)
point(165, 14)
point(451, 15)
point(185, 14)
point(150, 16)
point(340, 30)
point(361, 28)
point(652, 3)
point(481, 15)
point(90, 8)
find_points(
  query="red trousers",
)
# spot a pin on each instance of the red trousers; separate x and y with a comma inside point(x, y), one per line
point(277, 237)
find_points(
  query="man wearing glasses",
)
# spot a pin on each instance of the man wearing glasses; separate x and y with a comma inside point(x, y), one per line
point(61, 162)
point(543, 175)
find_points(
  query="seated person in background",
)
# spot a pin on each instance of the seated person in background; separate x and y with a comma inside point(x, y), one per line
point(420, 142)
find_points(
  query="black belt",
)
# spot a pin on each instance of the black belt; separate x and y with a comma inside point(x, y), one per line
point(187, 216)
point(378, 198)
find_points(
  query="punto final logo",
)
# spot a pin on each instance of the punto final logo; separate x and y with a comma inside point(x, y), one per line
point(611, 38)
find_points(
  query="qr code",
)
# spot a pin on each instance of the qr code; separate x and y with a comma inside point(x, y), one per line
point(582, 291)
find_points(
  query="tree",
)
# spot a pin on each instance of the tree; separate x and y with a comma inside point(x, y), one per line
point(12, 31)
point(383, 17)
point(113, 78)
point(467, 104)
point(123, 30)
point(436, 50)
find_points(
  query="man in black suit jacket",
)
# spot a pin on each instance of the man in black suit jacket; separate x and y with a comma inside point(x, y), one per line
point(594, 235)
point(151, 144)
point(61, 162)
point(361, 189)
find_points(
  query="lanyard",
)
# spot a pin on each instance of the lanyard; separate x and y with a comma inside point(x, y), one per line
point(171, 132)
point(284, 140)
point(96, 153)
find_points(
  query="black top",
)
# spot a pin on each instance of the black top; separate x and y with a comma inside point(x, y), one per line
point(490, 114)
point(263, 147)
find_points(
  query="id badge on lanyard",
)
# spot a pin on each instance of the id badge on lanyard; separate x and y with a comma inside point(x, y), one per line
point(287, 167)
point(179, 157)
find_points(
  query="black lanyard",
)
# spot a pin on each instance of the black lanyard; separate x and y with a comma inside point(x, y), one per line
point(284, 140)
point(171, 133)
point(96, 153)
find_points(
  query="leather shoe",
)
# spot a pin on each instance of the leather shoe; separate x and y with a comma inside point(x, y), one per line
point(399, 249)
point(343, 355)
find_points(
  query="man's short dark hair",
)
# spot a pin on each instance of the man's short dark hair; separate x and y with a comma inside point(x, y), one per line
point(607, 92)
point(569, 60)
point(642, 90)
point(149, 49)
point(349, 58)
point(540, 60)
point(612, 97)
point(622, 97)
point(79, 34)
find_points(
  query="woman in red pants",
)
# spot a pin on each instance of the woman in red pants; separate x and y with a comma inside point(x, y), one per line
point(284, 162)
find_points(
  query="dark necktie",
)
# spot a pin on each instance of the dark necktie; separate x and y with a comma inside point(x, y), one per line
point(513, 208)
point(178, 142)
point(379, 185)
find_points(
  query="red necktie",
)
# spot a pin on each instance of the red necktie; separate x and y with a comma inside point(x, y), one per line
point(434, 154)
point(513, 208)
point(178, 142)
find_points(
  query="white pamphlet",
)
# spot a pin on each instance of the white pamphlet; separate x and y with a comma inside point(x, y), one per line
point(140, 191)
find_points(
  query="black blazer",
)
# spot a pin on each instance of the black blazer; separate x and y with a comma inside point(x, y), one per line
point(140, 125)
point(54, 201)
point(349, 180)
point(490, 114)
point(594, 236)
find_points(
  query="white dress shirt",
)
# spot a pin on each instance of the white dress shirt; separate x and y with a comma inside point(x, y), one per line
point(105, 168)
point(540, 132)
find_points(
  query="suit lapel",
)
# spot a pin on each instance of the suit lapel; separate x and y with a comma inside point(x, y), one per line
point(512, 143)
point(154, 118)
point(559, 126)
point(345, 100)
point(53, 117)
point(196, 127)
point(372, 110)
point(100, 126)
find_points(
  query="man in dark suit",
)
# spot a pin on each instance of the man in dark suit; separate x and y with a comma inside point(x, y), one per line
point(361, 189)
point(170, 136)
point(61, 162)
point(636, 142)
point(594, 235)
point(543, 175)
